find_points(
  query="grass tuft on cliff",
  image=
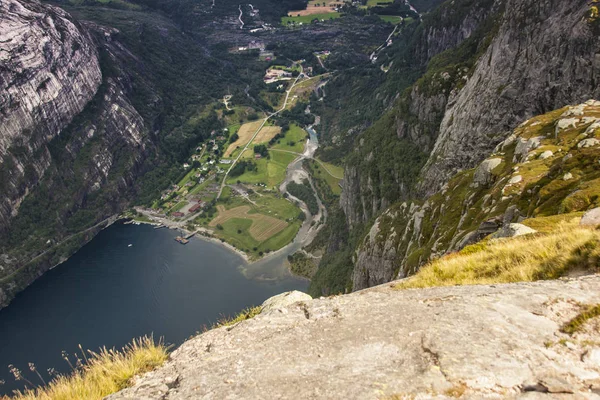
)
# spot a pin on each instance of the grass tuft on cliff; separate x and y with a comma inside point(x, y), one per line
point(245, 314)
point(567, 250)
point(105, 372)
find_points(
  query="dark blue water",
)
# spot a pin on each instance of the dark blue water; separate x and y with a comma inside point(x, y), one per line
point(109, 293)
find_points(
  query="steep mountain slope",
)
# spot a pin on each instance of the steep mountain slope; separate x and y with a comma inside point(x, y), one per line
point(72, 142)
point(549, 166)
point(512, 60)
point(471, 96)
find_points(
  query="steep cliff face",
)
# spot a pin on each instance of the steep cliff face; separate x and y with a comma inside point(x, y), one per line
point(544, 55)
point(389, 155)
point(72, 143)
point(514, 60)
point(49, 71)
point(548, 168)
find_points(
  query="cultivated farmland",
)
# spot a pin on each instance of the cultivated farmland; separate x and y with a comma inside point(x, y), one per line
point(263, 227)
point(245, 133)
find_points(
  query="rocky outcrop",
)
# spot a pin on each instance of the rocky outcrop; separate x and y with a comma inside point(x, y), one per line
point(49, 72)
point(472, 342)
point(514, 183)
point(544, 55)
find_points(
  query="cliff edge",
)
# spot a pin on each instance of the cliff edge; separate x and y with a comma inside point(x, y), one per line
point(493, 341)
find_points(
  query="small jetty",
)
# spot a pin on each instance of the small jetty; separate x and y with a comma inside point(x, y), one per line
point(182, 240)
point(190, 235)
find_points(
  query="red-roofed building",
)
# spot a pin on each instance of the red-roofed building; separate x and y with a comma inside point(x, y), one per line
point(177, 214)
point(195, 208)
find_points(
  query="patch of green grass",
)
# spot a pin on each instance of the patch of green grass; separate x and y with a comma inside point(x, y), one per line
point(266, 204)
point(294, 140)
point(281, 239)
point(393, 19)
point(307, 19)
point(330, 173)
point(373, 3)
point(186, 179)
point(550, 223)
point(576, 324)
point(275, 206)
point(269, 171)
point(103, 373)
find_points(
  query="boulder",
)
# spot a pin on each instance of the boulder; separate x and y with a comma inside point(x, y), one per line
point(591, 218)
point(513, 230)
point(483, 173)
point(585, 143)
point(283, 300)
point(515, 179)
point(546, 154)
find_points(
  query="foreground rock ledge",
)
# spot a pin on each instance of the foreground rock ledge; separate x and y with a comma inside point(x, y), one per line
point(497, 341)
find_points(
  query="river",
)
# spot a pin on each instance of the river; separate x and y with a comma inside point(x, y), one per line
point(110, 292)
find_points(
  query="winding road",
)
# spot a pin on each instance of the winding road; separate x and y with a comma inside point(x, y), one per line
point(287, 96)
point(240, 17)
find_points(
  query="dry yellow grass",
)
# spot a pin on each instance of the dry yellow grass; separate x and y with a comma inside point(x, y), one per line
point(263, 227)
point(267, 133)
point(104, 373)
point(527, 258)
point(245, 133)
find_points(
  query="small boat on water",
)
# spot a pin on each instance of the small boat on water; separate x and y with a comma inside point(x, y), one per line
point(129, 245)
point(182, 240)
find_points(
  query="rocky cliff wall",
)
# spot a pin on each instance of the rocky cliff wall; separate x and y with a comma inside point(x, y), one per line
point(517, 60)
point(470, 342)
point(544, 55)
point(49, 71)
point(71, 140)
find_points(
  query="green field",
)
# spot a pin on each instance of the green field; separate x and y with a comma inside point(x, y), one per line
point(373, 3)
point(296, 135)
point(393, 19)
point(307, 19)
point(245, 242)
point(186, 179)
point(268, 204)
point(270, 172)
point(332, 181)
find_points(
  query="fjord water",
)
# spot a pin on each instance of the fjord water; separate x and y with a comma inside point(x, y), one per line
point(110, 292)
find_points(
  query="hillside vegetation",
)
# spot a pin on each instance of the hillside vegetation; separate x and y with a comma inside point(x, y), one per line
point(547, 168)
point(568, 250)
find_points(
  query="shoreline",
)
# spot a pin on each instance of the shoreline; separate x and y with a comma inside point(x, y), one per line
point(198, 235)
